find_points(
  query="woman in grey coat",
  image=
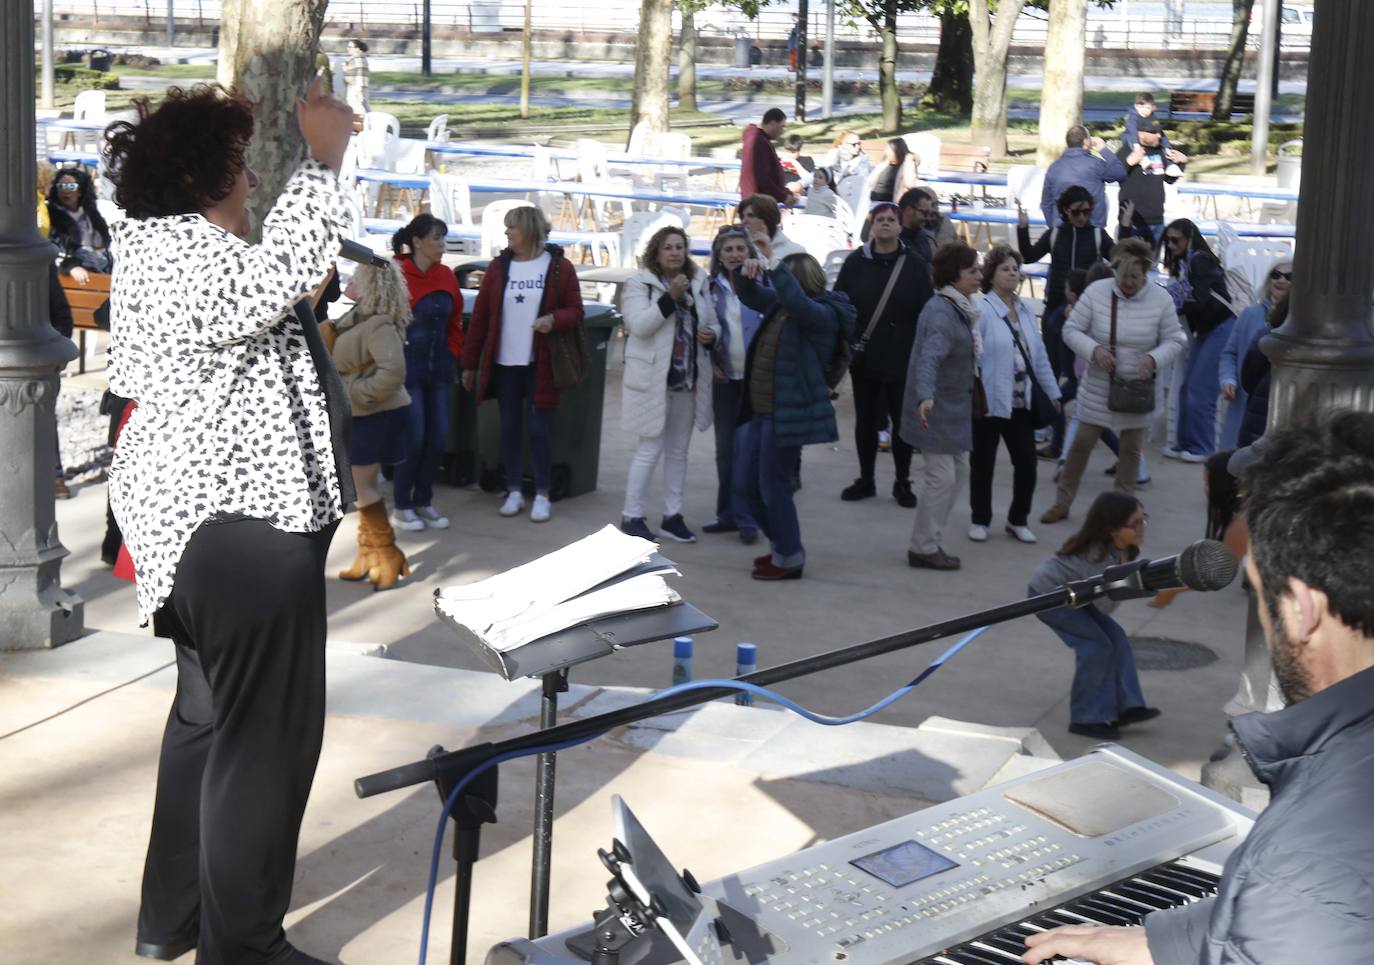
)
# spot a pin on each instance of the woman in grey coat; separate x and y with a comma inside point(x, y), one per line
point(937, 409)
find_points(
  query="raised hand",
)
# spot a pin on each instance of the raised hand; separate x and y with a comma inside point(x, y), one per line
point(326, 124)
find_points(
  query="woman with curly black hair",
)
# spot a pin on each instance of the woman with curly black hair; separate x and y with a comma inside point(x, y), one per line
point(78, 230)
point(228, 483)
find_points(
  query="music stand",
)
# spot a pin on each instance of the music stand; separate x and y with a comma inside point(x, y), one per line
point(550, 658)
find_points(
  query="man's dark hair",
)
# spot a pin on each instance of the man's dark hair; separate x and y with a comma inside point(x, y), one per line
point(1309, 503)
point(360, 44)
point(1076, 136)
point(1076, 280)
point(793, 142)
point(773, 116)
point(949, 260)
point(182, 156)
point(912, 197)
point(1145, 97)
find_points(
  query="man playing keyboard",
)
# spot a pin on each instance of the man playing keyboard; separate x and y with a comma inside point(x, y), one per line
point(1300, 888)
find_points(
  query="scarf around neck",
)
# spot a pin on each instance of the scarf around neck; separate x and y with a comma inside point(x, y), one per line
point(970, 314)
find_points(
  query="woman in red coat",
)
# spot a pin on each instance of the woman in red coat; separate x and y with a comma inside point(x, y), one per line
point(527, 292)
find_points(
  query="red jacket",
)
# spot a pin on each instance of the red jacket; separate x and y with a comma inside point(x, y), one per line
point(562, 299)
point(760, 170)
point(437, 279)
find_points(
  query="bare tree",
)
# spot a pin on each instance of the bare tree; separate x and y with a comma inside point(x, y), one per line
point(1061, 96)
point(652, 57)
point(992, 28)
point(1235, 59)
point(267, 53)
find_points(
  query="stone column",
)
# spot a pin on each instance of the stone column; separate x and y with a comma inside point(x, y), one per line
point(1323, 356)
point(34, 609)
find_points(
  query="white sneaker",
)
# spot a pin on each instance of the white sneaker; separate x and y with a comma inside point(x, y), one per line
point(431, 517)
point(1192, 457)
point(979, 534)
point(1169, 452)
point(539, 512)
point(514, 503)
point(1022, 533)
point(406, 519)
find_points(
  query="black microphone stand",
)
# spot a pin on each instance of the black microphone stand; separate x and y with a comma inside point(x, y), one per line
point(448, 768)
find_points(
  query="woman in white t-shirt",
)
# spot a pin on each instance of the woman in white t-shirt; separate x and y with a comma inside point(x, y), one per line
point(527, 292)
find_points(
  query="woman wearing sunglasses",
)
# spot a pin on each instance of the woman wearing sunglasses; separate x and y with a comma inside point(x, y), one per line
point(1198, 287)
point(1249, 327)
point(1106, 689)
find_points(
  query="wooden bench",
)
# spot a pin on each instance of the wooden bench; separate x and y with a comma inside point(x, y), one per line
point(964, 157)
point(1205, 101)
point(84, 300)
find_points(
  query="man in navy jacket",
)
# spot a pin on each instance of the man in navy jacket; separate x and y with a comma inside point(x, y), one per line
point(1081, 163)
point(1300, 888)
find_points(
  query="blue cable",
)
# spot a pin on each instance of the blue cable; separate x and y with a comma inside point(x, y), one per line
point(778, 698)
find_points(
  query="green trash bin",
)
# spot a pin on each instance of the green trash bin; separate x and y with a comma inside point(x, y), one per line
point(575, 428)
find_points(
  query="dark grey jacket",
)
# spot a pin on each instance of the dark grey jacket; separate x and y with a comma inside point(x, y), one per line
point(941, 368)
point(1300, 889)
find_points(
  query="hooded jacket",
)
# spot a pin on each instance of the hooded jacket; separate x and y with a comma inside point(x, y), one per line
point(760, 170)
point(863, 277)
point(1300, 888)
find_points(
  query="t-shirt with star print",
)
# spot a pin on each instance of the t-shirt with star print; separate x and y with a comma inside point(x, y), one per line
point(524, 295)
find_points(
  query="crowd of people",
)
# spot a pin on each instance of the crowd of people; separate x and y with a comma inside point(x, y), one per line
point(240, 447)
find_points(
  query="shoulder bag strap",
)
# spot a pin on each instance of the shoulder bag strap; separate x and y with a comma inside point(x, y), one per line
point(882, 302)
point(1113, 342)
point(1025, 356)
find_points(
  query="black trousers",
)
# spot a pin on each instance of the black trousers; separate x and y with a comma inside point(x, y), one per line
point(874, 401)
point(247, 616)
point(1019, 435)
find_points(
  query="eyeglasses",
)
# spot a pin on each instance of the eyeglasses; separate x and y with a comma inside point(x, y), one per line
point(1275, 275)
point(1080, 209)
point(68, 186)
point(1138, 523)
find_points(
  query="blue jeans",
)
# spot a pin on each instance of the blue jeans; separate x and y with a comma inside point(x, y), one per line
point(1104, 678)
point(428, 432)
point(515, 399)
point(768, 469)
point(732, 503)
point(1197, 404)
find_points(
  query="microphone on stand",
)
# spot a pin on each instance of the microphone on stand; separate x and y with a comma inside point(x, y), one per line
point(1206, 565)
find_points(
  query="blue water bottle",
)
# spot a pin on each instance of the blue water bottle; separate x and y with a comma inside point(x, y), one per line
point(746, 662)
point(682, 660)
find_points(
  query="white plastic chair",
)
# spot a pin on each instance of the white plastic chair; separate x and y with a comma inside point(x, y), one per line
point(860, 212)
point(639, 137)
point(1024, 184)
point(494, 225)
point(438, 129)
point(592, 170)
point(817, 234)
point(1226, 237)
point(638, 228)
point(450, 200)
point(669, 144)
point(925, 146)
point(381, 120)
point(832, 264)
point(1252, 257)
point(88, 106)
point(405, 156)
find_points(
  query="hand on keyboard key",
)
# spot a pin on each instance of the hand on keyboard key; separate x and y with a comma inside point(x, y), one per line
point(1103, 945)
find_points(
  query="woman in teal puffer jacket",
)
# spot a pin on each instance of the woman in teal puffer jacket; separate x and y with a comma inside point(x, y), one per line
point(786, 404)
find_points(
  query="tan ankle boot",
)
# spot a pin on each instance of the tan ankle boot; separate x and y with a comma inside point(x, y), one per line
point(379, 560)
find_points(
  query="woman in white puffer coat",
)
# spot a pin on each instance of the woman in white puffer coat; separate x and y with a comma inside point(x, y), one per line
point(666, 390)
point(1148, 336)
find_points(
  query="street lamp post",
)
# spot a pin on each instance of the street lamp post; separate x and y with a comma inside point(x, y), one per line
point(35, 611)
point(1323, 355)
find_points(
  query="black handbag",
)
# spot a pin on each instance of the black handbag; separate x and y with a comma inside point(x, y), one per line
point(1131, 396)
point(1042, 410)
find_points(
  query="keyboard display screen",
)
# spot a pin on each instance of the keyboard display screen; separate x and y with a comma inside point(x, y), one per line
point(903, 863)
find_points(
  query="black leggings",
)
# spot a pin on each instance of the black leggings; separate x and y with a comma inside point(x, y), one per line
point(874, 402)
point(247, 617)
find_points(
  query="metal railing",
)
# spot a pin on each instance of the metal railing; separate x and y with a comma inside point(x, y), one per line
point(1116, 29)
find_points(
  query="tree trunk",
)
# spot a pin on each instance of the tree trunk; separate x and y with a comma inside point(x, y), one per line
point(651, 63)
point(951, 82)
point(887, 70)
point(687, 62)
point(267, 53)
point(1061, 97)
point(1235, 59)
point(991, 41)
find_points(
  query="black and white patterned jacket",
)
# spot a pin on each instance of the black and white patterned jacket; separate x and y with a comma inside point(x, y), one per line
point(231, 417)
